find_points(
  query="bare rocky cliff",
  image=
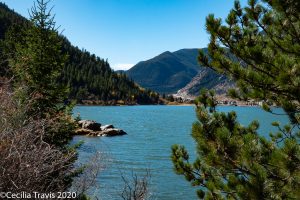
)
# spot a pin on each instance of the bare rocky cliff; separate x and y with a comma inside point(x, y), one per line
point(208, 79)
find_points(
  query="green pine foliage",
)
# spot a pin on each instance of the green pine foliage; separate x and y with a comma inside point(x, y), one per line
point(233, 161)
point(8, 20)
point(264, 39)
point(38, 62)
point(36, 66)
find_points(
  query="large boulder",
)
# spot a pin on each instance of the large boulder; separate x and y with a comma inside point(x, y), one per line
point(90, 124)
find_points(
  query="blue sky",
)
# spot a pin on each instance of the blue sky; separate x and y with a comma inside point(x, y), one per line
point(128, 31)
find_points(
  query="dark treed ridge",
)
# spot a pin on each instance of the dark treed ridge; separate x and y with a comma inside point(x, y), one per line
point(89, 77)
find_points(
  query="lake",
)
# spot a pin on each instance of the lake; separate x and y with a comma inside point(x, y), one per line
point(152, 130)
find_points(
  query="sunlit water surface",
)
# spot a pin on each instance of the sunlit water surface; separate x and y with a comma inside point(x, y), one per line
point(152, 130)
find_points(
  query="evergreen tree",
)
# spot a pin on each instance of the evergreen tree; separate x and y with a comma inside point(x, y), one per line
point(39, 61)
point(259, 48)
point(36, 66)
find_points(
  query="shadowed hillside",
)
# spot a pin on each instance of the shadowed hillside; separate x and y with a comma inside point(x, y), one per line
point(89, 77)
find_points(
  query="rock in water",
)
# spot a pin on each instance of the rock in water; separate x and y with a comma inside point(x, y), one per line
point(111, 132)
point(90, 124)
point(92, 128)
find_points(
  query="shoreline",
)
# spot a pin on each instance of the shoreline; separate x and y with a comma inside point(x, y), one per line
point(184, 104)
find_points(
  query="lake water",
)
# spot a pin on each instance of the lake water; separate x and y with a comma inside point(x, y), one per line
point(152, 130)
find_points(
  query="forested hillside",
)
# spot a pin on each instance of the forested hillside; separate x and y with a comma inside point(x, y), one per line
point(90, 78)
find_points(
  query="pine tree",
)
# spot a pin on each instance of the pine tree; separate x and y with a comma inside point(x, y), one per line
point(41, 117)
point(39, 62)
point(258, 47)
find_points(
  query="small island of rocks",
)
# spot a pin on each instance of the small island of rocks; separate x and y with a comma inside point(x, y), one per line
point(93, 128)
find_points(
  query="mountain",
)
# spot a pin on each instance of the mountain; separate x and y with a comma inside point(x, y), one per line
point(167, 72)
point(89, 77)
point(178, 72)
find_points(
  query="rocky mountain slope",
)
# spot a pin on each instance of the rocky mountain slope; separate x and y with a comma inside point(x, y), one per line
point(208, 79)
